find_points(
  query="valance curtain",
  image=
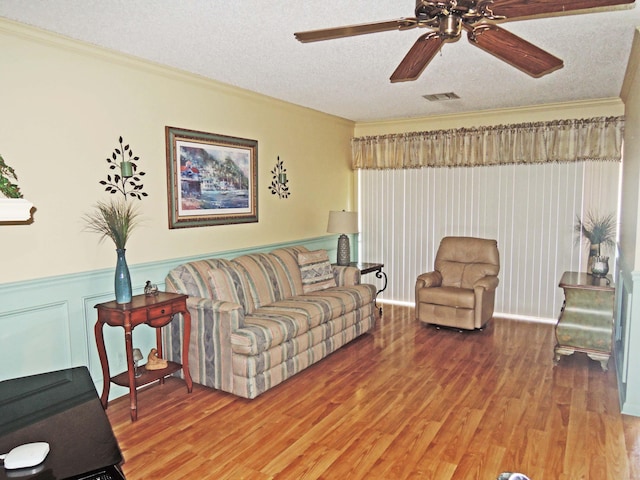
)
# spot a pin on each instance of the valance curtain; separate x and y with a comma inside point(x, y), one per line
point(558, 141)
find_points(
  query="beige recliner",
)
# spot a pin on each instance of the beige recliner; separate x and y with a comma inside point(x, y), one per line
point(461, 292)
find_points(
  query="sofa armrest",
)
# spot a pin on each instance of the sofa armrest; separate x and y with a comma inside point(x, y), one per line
point(212, 322)
point(429, 279)
point(346, 276)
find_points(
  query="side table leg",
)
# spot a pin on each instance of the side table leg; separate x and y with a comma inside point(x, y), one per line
point(133, 394)
point(159, 349)
point(102, 353)
point(186, 316)
point(381, 274)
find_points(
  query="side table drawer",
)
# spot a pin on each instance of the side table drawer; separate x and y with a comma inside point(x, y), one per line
point(160, 311)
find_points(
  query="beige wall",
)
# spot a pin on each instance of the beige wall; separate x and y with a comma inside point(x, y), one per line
point(64, 105)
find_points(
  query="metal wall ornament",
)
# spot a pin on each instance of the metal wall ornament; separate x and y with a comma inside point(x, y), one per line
point(279, 183)
point(126, 177)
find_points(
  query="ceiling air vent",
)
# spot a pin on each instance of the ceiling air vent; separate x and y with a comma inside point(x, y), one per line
point(439, 97)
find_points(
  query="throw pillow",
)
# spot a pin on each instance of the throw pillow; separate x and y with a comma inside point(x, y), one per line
point(316, 271)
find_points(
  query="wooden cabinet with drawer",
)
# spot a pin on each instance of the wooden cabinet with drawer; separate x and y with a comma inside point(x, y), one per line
point(156, 311)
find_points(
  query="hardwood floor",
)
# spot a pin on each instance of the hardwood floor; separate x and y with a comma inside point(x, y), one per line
point(407, 401)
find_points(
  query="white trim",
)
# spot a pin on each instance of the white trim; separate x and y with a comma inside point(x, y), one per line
point(15, 209)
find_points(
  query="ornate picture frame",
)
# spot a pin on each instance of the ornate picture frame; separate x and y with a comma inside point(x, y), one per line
point(212, 179)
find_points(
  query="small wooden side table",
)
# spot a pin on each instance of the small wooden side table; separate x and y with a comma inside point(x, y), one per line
point(586, 320)
point(155, 311)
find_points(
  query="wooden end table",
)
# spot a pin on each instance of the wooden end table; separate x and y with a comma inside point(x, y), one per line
point(156, 311)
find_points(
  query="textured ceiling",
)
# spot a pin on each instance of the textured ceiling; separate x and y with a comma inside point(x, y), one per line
point(250, 44)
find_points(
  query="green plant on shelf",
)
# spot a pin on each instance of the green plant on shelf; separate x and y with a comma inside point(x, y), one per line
point(7, 177)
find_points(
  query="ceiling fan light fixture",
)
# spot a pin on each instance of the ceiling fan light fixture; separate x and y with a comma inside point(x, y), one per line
point(450, 26)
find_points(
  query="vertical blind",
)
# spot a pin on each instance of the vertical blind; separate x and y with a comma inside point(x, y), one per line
point(529, 209)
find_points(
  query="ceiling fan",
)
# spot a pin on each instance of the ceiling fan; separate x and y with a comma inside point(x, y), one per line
point(447, 18)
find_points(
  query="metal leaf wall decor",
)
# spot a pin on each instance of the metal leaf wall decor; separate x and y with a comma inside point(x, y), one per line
point(117, 182)
point(279, 183)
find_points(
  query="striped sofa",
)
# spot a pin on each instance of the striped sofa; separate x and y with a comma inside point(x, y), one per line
point(261, 318)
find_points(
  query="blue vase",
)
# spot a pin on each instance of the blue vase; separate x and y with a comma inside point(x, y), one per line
point(123, 279)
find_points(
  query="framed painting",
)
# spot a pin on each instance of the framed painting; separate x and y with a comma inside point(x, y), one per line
point(211, 179)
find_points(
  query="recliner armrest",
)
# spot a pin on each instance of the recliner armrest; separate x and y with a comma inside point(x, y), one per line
point(429, 279)
point(490, 282)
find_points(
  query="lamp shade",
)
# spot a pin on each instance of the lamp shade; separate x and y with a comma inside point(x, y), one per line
point(342, 222)
point(137, 355)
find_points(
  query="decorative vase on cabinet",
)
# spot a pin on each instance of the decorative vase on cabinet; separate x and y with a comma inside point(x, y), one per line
point(122, 282)
point(600, 266)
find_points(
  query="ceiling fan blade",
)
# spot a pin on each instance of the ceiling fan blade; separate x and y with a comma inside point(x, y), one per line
point(526, 8)
point(514, 50)
point(418, 57)
point(351, 30)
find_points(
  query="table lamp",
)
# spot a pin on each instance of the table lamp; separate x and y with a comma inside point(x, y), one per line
point(137, 356)
point(343, 223)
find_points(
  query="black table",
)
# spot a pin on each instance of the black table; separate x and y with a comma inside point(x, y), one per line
point(369, 267)
point(63, 409)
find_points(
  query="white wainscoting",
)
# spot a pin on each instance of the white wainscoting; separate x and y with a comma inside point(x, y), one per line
point(530, 209)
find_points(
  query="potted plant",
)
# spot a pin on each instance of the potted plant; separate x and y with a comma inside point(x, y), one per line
point(117, 218)
point(597, 231)
point(7, 187)
point(12, 206)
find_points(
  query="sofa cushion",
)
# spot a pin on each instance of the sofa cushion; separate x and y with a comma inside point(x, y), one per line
point(251, 365)
point(228, 285)
point(279, 322)
point(316, 271)
point(193, 278)
point(288, 258)
point(263, 330)
point(341, 300)
point(266, 280)
point(324, 305)
point(314, 310)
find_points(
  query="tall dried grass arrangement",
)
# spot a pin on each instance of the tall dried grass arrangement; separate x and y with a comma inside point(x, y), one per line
point(115, 220)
